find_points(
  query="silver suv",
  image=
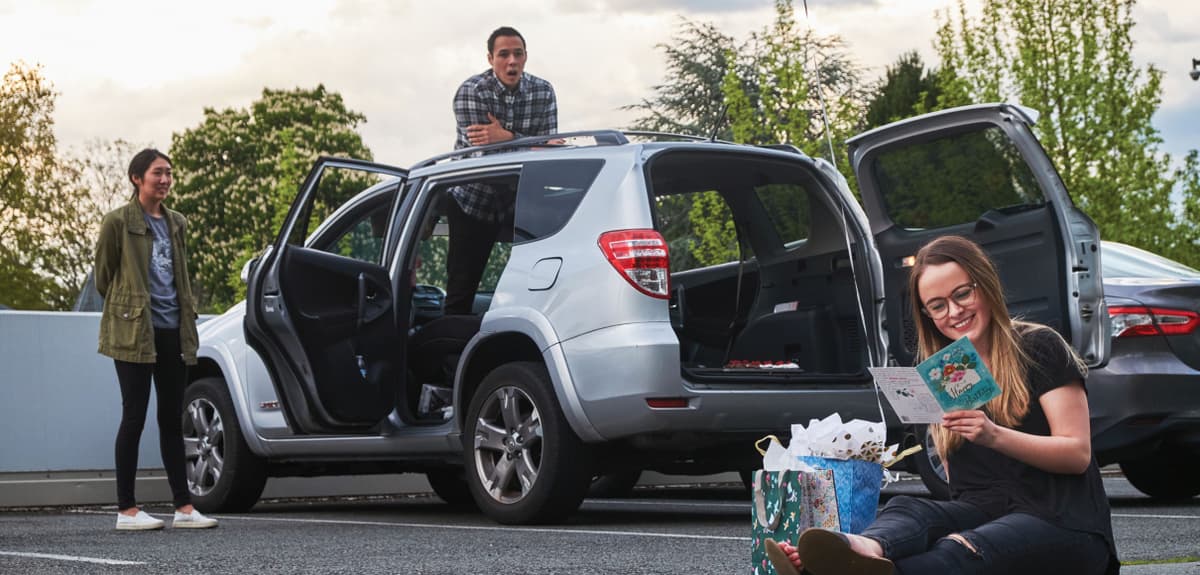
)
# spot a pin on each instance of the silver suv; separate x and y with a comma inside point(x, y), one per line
point(651, 304)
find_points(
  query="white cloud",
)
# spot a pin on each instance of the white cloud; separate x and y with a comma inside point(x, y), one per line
point(140, 70)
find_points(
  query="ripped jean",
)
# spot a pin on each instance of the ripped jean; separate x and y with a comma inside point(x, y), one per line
point(913, 534)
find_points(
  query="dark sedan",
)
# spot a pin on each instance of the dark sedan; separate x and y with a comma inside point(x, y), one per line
point(1145, 403)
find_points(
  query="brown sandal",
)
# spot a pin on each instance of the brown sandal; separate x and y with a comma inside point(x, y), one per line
point(827, 552)
point(783, 565)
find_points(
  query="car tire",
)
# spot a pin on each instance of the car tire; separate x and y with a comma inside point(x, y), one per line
point(524, 463)
point(929, 465)
point(451, 486)
point(223, 475)
point(1165, 474)
point(616, 483)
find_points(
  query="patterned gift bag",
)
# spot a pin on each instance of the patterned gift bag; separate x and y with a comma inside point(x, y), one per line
point(786, 503)
point(858, 483)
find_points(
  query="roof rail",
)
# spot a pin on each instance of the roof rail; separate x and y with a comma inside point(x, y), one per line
point(603, 138)
point(665, 135)
point(784, 148)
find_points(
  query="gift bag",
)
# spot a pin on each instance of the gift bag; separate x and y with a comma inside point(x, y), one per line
point(857, 494)
point(787, 502)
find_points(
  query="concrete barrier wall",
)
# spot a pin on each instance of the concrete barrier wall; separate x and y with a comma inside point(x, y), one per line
point(60, 406)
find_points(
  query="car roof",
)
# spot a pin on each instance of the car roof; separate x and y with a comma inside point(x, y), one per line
point(1125, 261)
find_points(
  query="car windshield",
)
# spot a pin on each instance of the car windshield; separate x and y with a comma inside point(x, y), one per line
point(1125, 261)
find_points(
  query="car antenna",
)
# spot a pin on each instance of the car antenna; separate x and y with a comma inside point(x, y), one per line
point(820, 93)
point(712, 137)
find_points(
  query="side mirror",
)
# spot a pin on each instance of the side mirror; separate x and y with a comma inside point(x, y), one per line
point(250, 263)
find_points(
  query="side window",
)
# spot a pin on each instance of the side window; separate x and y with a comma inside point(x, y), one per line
point(954, 179)
point(549, 193)
point(787, 207)
point(334, 187)
point(363, 240)
point(699, 230)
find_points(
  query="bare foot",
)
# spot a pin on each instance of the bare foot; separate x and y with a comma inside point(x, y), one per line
point(132, 511)
point(865, 546)
point(185, 509)
point(792, 555)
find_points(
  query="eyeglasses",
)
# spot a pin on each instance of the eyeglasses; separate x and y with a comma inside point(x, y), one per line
point(939, 307)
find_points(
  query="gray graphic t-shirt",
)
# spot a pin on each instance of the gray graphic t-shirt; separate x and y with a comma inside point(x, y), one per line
point(164, 303)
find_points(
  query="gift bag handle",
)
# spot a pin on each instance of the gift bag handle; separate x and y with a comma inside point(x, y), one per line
point(902, 455)
point(758, 444)
point(760, 504)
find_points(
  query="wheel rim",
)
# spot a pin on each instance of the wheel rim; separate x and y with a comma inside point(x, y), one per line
point(935, 460)
point(508, 444)
point(203, 445)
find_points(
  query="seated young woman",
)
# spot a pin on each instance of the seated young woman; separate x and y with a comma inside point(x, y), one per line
point(1026, 494)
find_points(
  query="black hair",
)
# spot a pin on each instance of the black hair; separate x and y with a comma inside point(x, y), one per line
point(503, 31)
point(141, 163)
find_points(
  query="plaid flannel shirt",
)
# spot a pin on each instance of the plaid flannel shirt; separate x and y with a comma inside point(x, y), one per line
point(530, 110)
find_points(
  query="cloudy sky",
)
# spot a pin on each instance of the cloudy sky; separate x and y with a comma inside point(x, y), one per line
point(141, 69)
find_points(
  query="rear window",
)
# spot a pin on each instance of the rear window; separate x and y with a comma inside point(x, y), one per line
point(1125, 261)
point(548, 194)
point(954, 179)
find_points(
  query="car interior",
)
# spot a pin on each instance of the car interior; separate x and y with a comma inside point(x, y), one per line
point(773, 292)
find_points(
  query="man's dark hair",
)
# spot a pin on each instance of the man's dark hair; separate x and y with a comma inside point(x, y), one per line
point(141, 162)
point(503, 31)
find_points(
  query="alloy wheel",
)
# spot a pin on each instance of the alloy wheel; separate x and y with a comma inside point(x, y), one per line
point(203, 445)
point(508, 444)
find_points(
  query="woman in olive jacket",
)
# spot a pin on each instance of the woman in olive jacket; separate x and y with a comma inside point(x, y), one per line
point(149, 329)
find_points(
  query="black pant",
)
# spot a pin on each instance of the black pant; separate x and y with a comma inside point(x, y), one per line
point(471, 242)
point(169, 375)
point(912, 532)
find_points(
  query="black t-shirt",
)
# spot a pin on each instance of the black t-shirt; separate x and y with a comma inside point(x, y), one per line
point(999, 484)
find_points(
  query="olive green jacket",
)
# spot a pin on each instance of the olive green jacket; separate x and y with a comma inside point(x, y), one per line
point(123, 278)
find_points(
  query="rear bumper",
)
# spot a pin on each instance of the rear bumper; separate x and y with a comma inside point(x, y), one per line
point(616, 369)
point(1140, 401)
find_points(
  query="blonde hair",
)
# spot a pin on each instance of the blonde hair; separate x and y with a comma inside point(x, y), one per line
point(1006, 360)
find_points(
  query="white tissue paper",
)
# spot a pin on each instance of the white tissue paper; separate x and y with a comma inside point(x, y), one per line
point(836, 439)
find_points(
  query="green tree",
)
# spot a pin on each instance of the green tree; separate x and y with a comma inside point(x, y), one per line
point(47, 220)
point(240, 169)
point(907, 89)
point(764, 85)
point(796, 82)
point(1072, 61)
point(691, 99)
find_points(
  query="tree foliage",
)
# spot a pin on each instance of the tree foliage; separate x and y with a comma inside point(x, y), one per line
point(48, 216)
point(907, 89)
point(1072, 61)
point(766, 86)
point(240, 169)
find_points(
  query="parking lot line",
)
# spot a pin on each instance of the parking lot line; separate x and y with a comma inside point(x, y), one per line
point(1153, 516)
point(475, 527)
point(74, 558)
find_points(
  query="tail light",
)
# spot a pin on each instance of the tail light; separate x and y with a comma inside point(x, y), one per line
point(641, 257)
point(1136, 321)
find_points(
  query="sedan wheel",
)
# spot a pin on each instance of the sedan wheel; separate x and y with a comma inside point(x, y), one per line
point(930, 466)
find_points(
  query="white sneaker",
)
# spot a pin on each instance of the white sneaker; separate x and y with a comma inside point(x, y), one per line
point(193, 520)
point(139, 522)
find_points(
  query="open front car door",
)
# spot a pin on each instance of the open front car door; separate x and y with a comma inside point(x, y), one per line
point(319, 305)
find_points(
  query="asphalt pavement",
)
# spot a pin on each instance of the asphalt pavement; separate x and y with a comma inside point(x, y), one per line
point(685, 530)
